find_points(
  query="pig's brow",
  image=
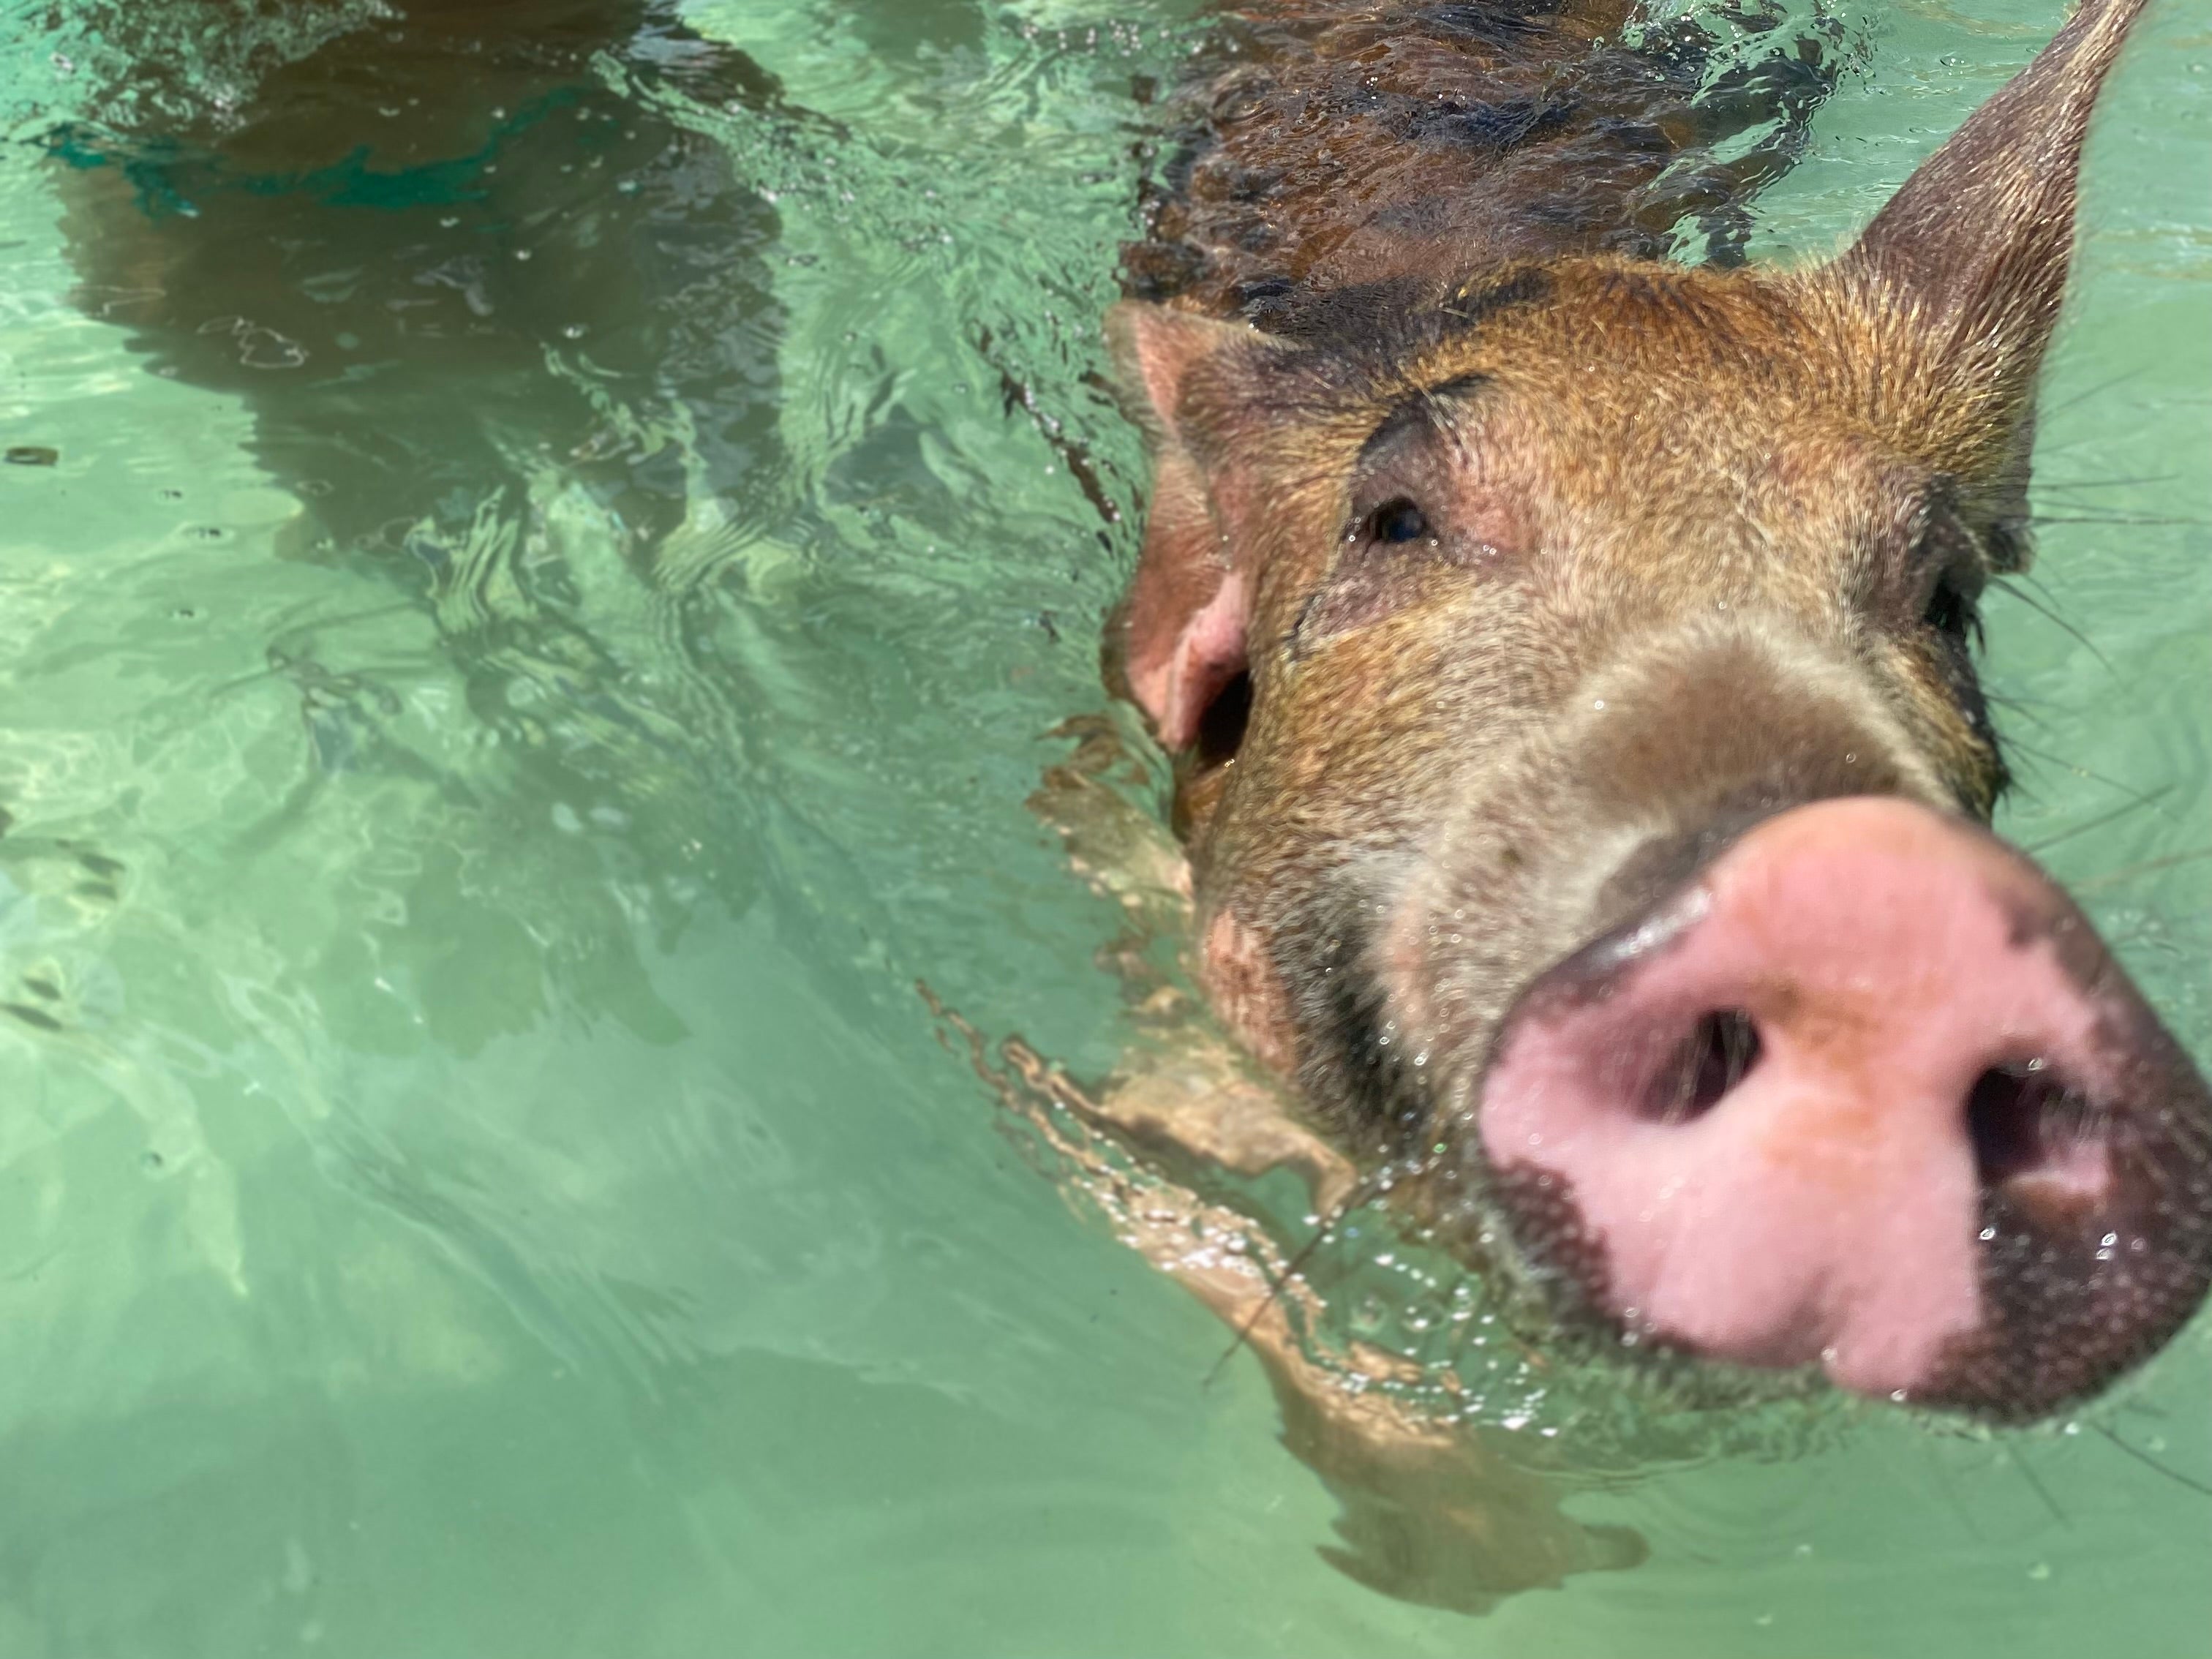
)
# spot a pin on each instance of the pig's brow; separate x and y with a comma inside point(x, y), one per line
point(1424, 406)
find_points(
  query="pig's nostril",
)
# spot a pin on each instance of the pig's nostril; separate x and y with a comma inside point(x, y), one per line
point(2020, 1116)
point(1717, 1054)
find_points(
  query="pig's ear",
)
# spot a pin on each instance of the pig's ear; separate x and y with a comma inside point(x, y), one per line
point(1973, 250)
point(1190, 382)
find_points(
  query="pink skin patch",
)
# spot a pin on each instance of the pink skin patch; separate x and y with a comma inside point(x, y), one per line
point(1245, 991)
point(1826, 1206)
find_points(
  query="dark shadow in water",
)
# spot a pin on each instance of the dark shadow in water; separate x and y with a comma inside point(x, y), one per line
point(447, 256)
point(387, 245)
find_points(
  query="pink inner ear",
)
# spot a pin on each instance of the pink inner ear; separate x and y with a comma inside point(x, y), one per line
point(1187, 608)
point(1200, 660)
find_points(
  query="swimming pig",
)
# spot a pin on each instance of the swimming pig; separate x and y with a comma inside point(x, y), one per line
point(1583, 774)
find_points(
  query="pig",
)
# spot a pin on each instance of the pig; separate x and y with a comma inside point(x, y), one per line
point(1582, 776)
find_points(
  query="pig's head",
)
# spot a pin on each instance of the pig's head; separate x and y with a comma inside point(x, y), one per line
point(1585, 780)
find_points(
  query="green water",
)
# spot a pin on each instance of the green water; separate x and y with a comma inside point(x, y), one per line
point(476, 1177)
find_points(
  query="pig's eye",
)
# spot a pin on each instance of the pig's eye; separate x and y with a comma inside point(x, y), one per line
point(1951, 613)
point(1398, 520)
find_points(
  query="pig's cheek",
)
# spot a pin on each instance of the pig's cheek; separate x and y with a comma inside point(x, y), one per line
point(1240, 979)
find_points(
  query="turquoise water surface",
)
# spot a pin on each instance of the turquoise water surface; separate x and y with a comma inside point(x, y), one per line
point(521, 641)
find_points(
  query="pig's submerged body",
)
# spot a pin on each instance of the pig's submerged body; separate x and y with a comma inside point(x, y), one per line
point(1351, 155)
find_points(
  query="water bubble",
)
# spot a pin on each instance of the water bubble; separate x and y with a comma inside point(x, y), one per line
point(2040, 1571)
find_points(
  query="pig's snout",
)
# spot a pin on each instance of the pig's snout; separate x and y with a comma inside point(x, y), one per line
point(1866, 1091)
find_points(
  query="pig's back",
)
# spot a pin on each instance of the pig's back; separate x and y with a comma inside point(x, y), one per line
point(1335, 151)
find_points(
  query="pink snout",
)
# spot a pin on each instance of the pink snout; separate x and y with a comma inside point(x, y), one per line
point(1869, 1093)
